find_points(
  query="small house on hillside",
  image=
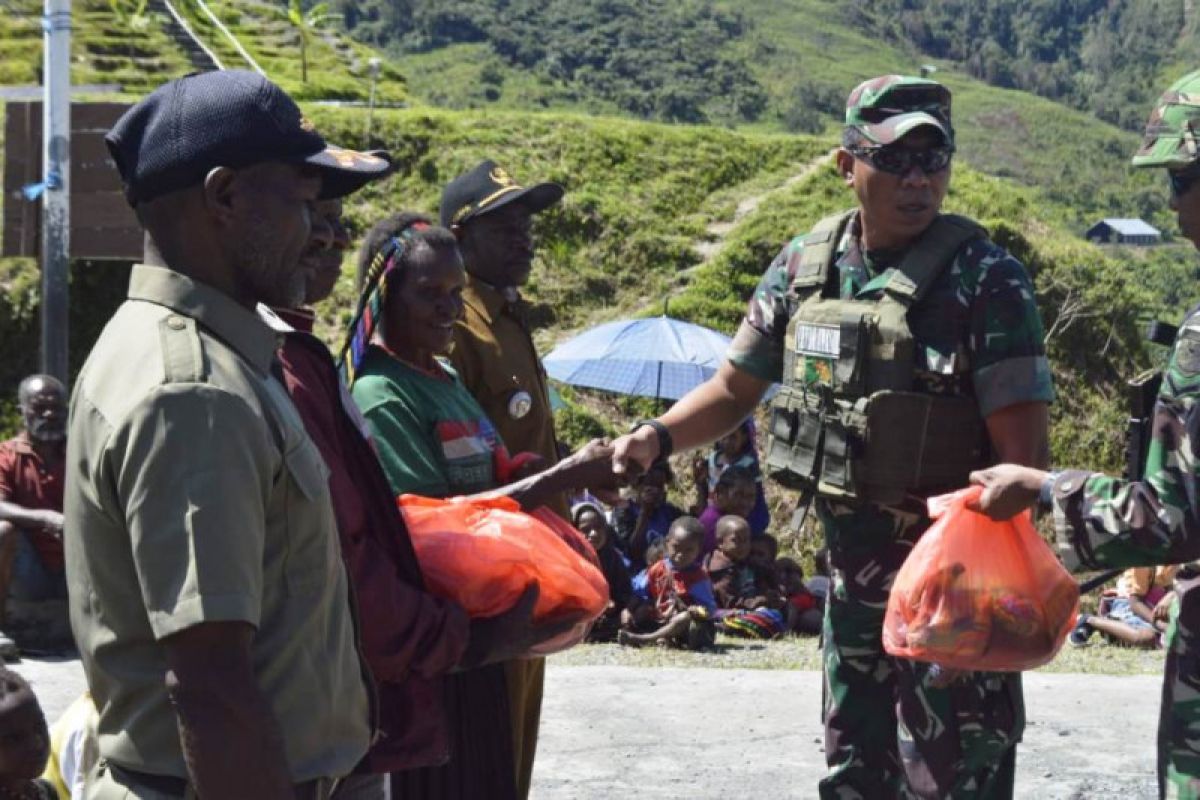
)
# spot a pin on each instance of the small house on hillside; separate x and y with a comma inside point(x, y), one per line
point(1124, 231)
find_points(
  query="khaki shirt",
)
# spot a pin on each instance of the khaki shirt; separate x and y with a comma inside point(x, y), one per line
point(194, 495)
point(495, 359)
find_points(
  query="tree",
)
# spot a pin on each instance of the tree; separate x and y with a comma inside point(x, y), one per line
point(306, 25)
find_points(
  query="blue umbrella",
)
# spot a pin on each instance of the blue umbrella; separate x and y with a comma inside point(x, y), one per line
point(653, 357)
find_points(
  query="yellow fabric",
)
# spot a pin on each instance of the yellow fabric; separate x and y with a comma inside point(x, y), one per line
point(194, 495)
point(79, 719)
point(1138, 581)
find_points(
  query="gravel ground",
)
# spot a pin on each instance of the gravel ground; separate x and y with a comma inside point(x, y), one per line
point(621, 731)
point(612, 731)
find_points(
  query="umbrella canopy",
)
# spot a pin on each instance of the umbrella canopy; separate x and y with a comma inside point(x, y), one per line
point(653, 357)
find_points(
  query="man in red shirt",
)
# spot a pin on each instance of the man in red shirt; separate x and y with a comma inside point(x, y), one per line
point(31, 500)
point(409, 639)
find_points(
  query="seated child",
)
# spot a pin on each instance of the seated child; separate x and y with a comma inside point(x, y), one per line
point(647, 518)
point(733, 495)
point(589, 519)
point(1138, 615)
point(803, 612)
point(737, 583)
point(24, 741)
point(673, 603)
point(819, 584)
point(735, 449)
point(764, 549)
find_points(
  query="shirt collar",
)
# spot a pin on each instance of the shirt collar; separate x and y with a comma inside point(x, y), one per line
point(485, 298)
point(288, 320)
point(238, 327)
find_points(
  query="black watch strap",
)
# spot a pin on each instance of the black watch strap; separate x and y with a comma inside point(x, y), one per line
point(665, 445)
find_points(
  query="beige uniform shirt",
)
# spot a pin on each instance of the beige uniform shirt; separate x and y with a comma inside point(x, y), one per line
point(194, 495)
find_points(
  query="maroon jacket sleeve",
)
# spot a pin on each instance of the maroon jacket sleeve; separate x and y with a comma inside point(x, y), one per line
point(402, 628)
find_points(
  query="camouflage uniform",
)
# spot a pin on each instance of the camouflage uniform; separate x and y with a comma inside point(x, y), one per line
point(1104, 522)
point(888, 733)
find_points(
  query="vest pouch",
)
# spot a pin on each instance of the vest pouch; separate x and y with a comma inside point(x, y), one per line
point(794, 439)
point(919, 443)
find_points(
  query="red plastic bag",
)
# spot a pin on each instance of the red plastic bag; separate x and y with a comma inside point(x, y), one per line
point(484, 554)
point(977, 594)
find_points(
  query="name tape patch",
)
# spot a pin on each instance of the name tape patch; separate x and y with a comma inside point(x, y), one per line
point(818, 340)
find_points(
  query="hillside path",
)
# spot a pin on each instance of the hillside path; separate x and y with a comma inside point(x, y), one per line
point(715, 234)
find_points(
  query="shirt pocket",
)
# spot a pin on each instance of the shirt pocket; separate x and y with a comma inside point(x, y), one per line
point(311, 530)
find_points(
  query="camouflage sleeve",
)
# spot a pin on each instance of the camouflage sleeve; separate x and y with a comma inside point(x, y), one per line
point(1108, 522)
point(757, 347)
point(1008, 356)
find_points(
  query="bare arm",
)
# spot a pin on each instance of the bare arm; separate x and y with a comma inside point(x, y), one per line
point(709, 411)
point(1020, 434)
point(231, 742)
point(37, 518)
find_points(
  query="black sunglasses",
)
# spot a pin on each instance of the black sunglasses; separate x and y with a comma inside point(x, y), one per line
point(1182, 182)
point(899, 160)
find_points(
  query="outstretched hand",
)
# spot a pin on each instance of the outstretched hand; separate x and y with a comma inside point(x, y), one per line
point(634, 452)
point(1008, 489)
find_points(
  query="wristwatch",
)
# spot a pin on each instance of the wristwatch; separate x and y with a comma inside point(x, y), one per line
point(665, 445)
point(1046, 492)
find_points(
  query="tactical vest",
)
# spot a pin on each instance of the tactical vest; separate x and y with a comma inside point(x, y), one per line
point(847, 423)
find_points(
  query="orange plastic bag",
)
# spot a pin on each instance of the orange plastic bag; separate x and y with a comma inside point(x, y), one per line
point(484, 554)
point(977, 594)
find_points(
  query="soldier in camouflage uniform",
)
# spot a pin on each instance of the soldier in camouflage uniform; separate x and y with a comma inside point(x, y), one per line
point(1104, 522)
point(895, 728)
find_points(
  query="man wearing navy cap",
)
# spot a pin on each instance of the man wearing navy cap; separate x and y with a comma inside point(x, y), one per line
point(207, 594)
point(492, 216)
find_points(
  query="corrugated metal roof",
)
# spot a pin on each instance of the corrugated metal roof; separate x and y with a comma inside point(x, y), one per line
point(1131, 227)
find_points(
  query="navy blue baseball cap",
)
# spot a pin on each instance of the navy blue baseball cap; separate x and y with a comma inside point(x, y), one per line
point(488, 187)
point(228, 118)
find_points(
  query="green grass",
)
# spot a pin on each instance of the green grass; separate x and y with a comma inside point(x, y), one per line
point(102, 49)
point(638, 194)
point(803, 654)
point(337, 65)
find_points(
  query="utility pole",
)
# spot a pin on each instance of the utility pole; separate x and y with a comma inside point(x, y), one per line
point(56, 197)
point(373, 66)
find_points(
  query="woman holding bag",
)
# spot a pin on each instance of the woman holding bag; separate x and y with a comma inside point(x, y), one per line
point(432, 439)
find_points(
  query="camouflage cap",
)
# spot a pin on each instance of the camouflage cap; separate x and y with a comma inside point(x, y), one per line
point(886, 108)
point(1171, 138)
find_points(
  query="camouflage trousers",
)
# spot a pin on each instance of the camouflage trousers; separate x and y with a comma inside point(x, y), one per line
point(1179, 718)
point(888, 731)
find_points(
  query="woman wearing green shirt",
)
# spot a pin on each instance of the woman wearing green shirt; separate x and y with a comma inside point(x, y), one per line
point(433, 439)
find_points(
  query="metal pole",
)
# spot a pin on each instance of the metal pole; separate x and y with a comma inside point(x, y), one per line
point(373, 68)
point(56, 165)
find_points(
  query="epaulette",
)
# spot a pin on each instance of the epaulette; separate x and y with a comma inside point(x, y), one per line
point(183, 358)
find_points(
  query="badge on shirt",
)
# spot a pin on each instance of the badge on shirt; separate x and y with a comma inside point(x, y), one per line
point(520, 403)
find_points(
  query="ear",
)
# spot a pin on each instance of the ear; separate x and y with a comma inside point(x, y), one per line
point(845, 165)
point(220, 188)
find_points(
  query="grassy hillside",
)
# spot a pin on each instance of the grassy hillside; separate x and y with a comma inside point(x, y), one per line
point(638, 194)
point(337, 65)
point(107, 49)
point(103, 50)
point(806, 57)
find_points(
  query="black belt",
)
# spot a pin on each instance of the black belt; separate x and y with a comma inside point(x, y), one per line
point(162, 784)
point(316, 789)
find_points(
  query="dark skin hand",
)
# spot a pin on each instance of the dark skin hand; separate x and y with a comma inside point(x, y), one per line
point(512, 634)
point(231, 742)
point(590, 466)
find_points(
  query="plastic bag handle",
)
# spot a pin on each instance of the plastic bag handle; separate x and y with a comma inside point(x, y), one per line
point(945, 502)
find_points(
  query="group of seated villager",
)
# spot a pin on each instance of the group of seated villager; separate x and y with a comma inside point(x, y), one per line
point(677, 578)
